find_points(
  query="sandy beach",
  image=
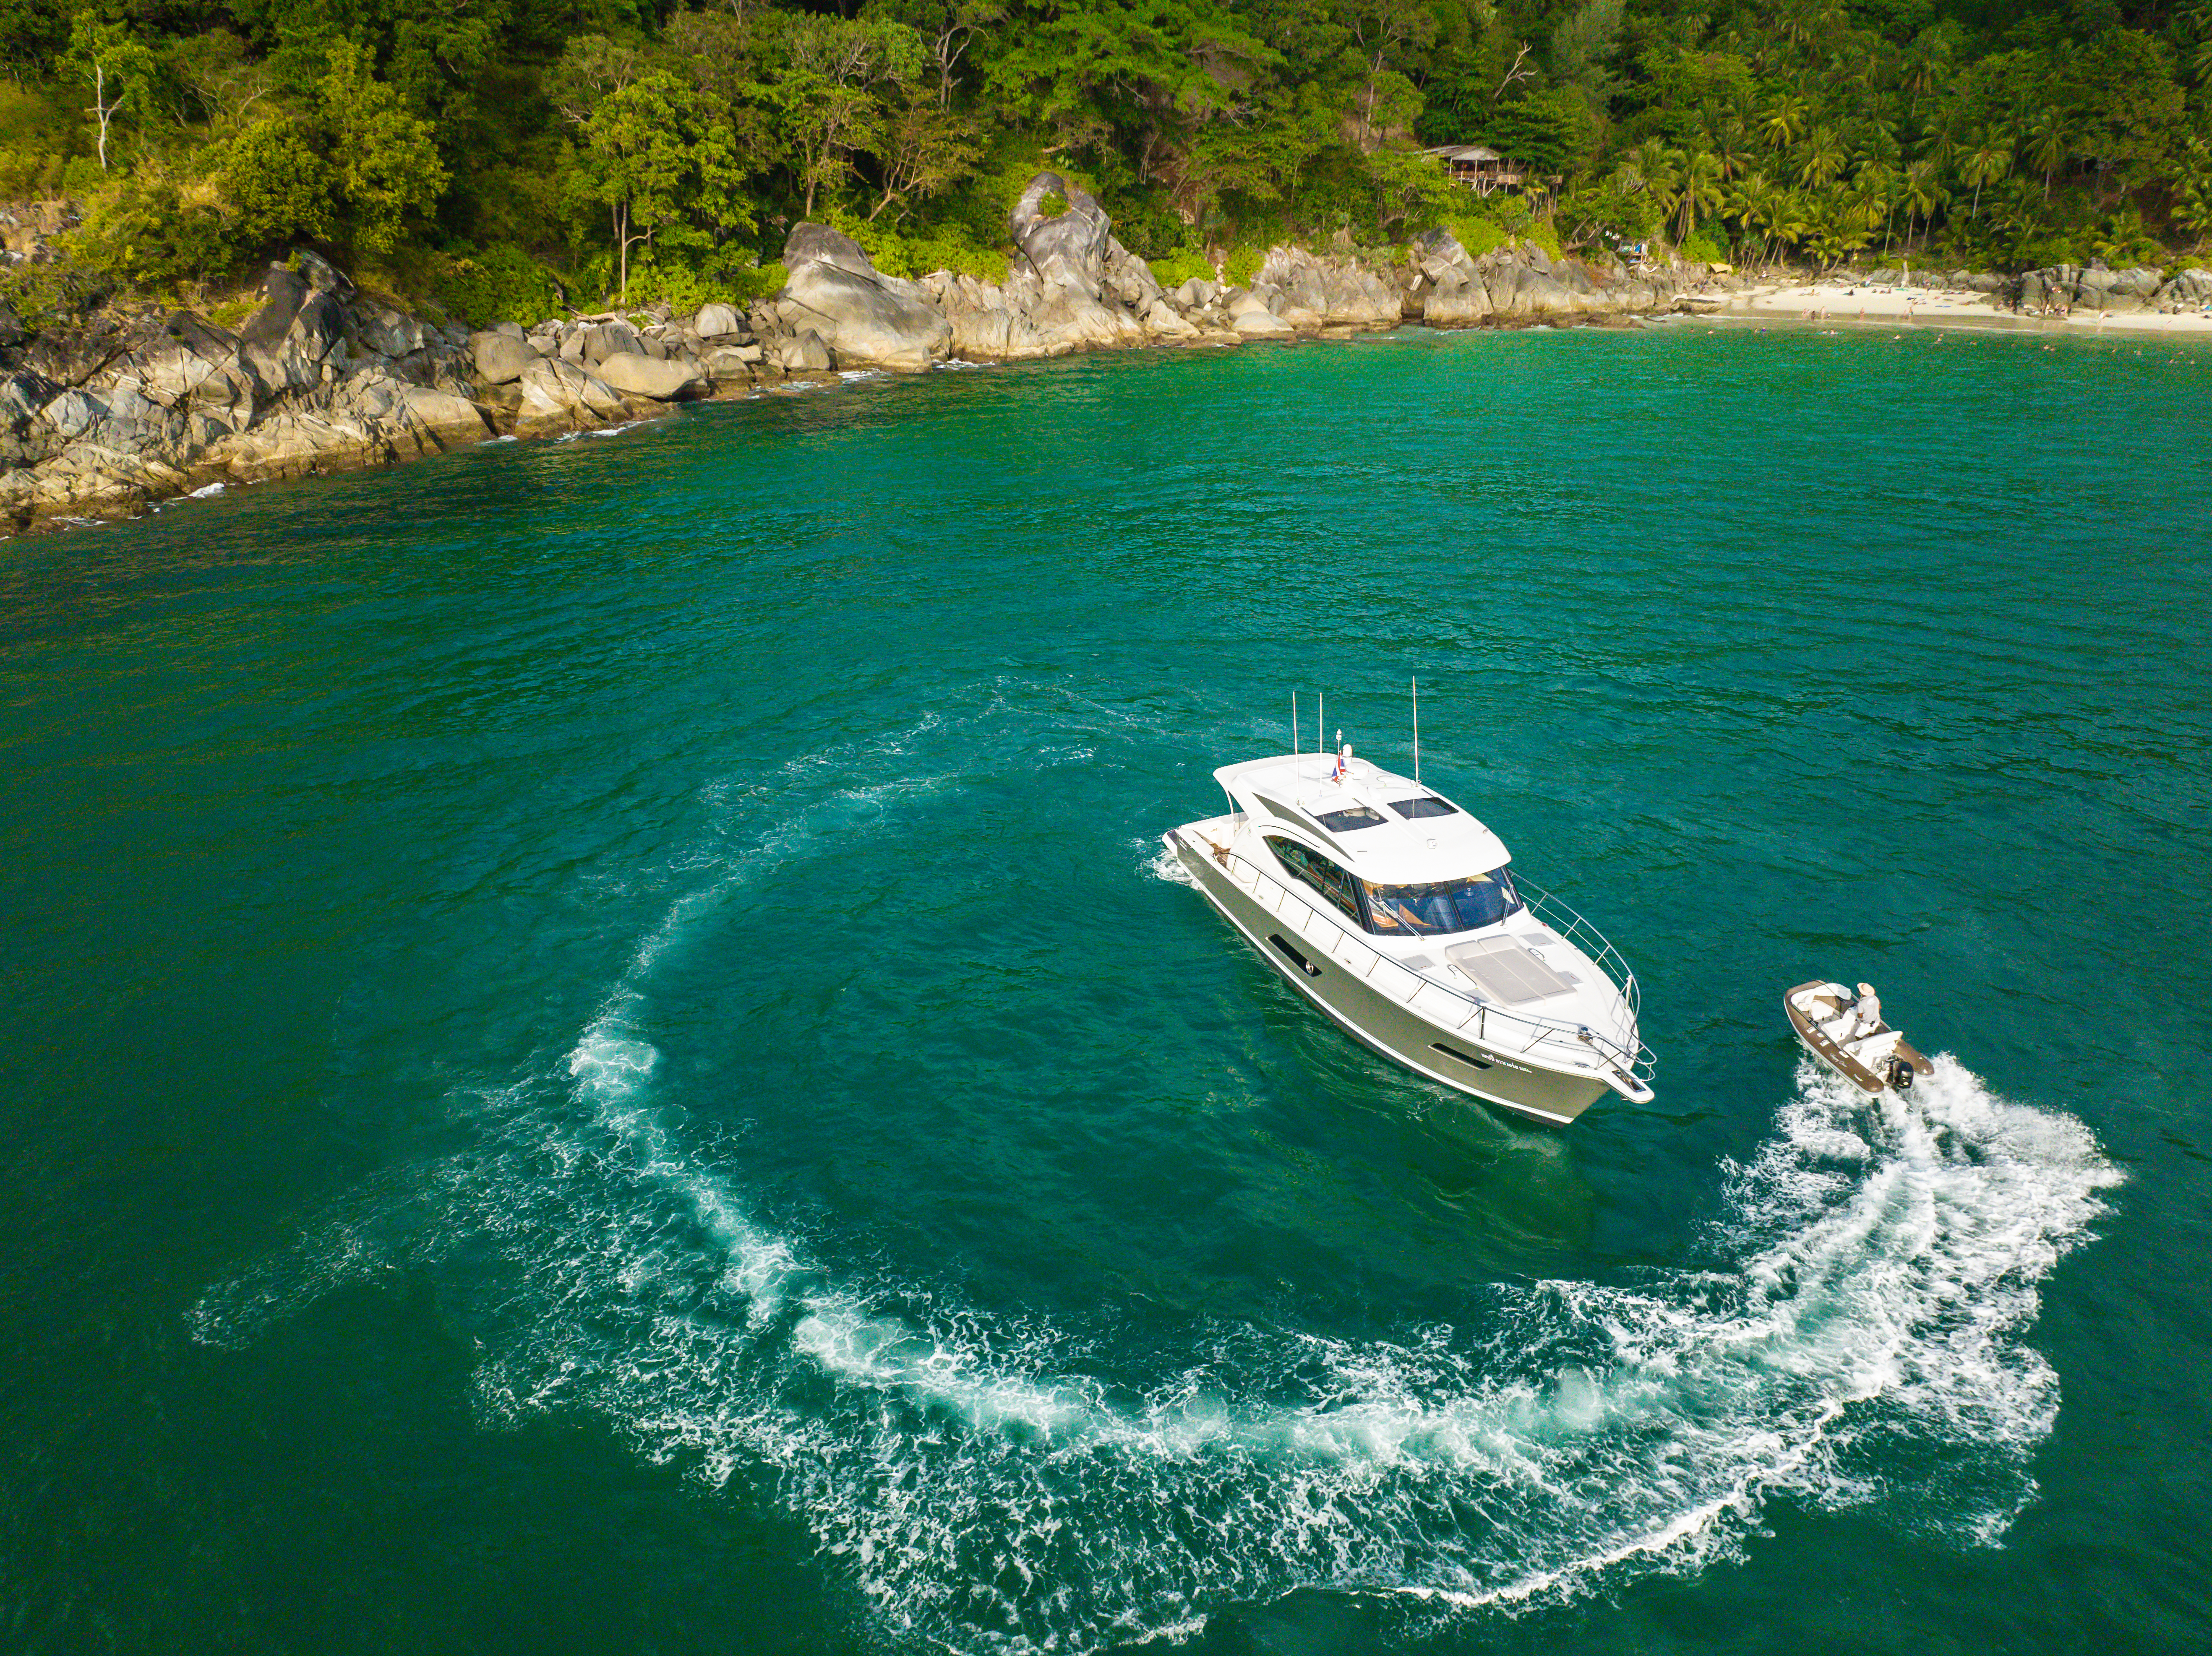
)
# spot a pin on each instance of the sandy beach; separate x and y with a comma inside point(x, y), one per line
point(1845, 301)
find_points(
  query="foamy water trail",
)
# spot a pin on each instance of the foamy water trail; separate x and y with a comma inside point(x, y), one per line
point(1158, 862)
point(985, 1485)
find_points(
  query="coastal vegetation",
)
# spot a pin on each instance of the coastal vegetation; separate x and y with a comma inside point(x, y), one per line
point(501, 156)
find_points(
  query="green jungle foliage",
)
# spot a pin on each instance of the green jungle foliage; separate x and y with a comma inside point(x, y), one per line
point(505, 156)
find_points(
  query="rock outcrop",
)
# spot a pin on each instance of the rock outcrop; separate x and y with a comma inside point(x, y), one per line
point(100, 418)
point(863, 318)
point(2093, 286)
point(664, 378)
point(1519, 283)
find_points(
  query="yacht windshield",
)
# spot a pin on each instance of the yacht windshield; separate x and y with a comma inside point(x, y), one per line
point(1425, 911)
point(1427, 806)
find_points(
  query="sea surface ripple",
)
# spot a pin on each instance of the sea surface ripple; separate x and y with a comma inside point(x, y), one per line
point(606, 1059)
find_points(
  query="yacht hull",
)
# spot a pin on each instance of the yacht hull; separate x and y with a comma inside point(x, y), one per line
point(1451, 1057)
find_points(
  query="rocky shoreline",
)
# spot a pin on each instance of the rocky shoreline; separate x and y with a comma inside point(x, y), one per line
point(103, 420)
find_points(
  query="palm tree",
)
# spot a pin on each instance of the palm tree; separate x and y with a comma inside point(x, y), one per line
point(1791, 218)
point(1837, 226)
point(1661, 171)
point(1822, 158)
point(1746, 205)
point(1922, 194)
point(2049, 145)
point(1802, 19)
point(1785, 120)
point(1699, 192)
point(1731, 145)
point(2192, 190)
point(1877, 186)
point(1990, 158)
point(1876, 144)
point(1926, 67)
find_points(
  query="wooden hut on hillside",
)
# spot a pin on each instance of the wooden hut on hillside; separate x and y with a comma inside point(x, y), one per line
point(1479, 168)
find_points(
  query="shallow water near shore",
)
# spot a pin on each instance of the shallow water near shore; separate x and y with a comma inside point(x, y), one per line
point(605, 1060)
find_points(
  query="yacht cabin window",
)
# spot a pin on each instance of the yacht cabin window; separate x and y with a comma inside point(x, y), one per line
point(1317, 871)
point(1443, 906)
point(1352, 817)
point(1427, 806)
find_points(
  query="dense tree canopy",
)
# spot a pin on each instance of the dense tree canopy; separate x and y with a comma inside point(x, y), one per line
point(651, 146)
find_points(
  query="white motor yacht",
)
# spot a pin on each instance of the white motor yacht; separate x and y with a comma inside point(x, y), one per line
point(1395, 911)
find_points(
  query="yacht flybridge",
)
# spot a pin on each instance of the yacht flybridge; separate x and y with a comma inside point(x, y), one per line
point(1395, 911)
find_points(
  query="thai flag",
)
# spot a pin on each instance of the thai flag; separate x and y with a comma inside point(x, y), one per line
point(1336, 771)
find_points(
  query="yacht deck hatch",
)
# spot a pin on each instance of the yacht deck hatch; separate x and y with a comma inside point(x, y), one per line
point(1502, 969)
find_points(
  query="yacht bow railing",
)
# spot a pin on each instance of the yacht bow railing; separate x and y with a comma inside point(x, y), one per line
point(1581, 933)
point(1439, 1002)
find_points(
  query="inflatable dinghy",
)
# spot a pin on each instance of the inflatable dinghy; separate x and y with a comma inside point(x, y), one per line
point(1831, 1025)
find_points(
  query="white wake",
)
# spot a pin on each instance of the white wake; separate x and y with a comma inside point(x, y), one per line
point(1867, 1287)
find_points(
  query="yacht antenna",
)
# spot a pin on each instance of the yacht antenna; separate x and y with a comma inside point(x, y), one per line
point(1417, 730)
point(1294, 723)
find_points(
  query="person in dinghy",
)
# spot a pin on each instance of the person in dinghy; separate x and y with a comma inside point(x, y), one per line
point(1845, 1032)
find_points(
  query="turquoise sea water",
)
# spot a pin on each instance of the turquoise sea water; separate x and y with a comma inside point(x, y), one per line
point(603, 1059)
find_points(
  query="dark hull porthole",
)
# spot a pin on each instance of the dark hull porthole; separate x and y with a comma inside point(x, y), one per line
point(1464, 1058)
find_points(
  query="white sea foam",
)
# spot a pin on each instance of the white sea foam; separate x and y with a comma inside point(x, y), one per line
point(1162, 864)
point(1866, 1287)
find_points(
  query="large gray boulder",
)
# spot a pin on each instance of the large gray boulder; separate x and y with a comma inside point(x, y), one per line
point(862, 317)
point(319, 328)
point(1076, 249)
point(717, 322)
point(1327, 293)
point(1069, 245)
point(1455, 298)
point(804, 352)
point(501, 358)
point(607, 339)
point(186, 359)
point(2191, 287)
point(293, 356)
point(22, 394)
point(560, 397)
point(662, 379)
point(1519, 290)
point(284, 291)
point(387, 333)
point(75, 413)
point(448, 418)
